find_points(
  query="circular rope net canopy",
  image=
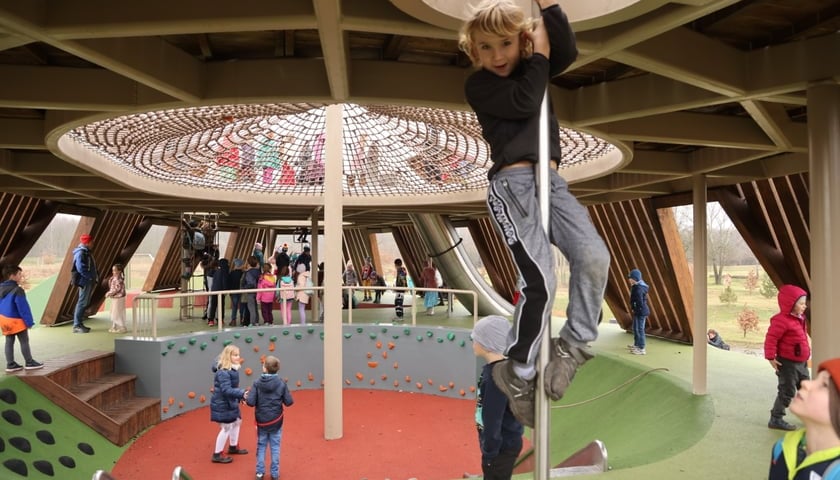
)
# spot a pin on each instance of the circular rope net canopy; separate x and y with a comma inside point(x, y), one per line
point(279, 149)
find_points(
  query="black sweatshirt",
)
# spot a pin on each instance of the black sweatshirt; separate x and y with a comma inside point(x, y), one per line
point(508, 108)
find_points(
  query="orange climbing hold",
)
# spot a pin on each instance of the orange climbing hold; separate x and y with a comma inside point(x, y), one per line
point(271, 347)
point(373, 364)
point(191, 395)
point(297, 384)
point(165, 409)
point(396, 365)
point(262, 358)
point(248, 371)
point(472, 389)
point(384, 353)
point(347, 381)
point(202, 399)
point(419, 386)
point(461, 392)
point(443, 388)
point(391, 345)
point(310, 376)
point(407, 379)
point(180, 404)
point(369, 355)
point(257, 349)
point(171, 400)
point(396, 383)
point(378, 344)
point(372, 381)
point(359, 376)
point(384, 377)
point(429, 381)
point(451, 384)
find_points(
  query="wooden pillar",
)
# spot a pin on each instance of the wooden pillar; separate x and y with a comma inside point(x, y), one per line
point(699, 375)
point(824, 148)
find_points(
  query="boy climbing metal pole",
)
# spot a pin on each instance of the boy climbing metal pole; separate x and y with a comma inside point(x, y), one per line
point(516, 57)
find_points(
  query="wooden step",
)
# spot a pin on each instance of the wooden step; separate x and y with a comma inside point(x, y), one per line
point(109, 389)
point(86, 386)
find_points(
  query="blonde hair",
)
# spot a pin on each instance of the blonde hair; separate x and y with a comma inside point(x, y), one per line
point(225, 361)
point(501, 18)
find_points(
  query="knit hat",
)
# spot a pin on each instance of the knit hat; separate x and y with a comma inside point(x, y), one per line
point(635, 274)
point(85, 239)
point(237, 263)
point(492, 332)
point(258, 246)
point(833, 368)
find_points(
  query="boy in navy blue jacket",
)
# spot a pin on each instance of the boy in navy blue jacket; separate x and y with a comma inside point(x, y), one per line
point(499, 433)
point(16, 319)
point(269, 394)
point(516, 58)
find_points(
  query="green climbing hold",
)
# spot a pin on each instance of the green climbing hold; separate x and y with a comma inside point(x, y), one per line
point(384, 330)
point(261, 333)
point(298, 336)
point(182, 350)
point(347, 335)
point(170, 345)
point(430, 334)
point(163, 353)
point(463, 342)
point(227, 342)
point(272, 338)
point(237, 335)
point(440, 340)
point(321, 334)
point(359, 329)
point(203, 345)
point(192, 341)
point(248, 339)
point(372, 336)
point(419, 338)
point(407, 331)
point(450, 336)
point(395, 337)
point(214, 337)
point(310, 330)
point(285, 332)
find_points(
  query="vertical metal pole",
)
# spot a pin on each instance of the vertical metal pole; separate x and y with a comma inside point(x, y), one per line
point(542, 420)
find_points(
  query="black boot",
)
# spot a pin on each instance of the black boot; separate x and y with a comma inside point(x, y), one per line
point(218, 458)
point(235, 450)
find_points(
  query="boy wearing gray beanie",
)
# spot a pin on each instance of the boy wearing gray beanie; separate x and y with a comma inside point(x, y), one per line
point(499, 433)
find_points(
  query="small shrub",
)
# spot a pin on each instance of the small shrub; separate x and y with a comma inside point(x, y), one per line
point(748, 321)
point(768, 289)
point(728, 296)
point(751, 282)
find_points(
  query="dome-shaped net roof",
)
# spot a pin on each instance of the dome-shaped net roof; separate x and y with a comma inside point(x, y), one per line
point(278, 148)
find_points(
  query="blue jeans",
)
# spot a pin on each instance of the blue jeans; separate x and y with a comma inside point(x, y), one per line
point(639, 331)
point(81, 304)
point(235, 299)
point(273, 440)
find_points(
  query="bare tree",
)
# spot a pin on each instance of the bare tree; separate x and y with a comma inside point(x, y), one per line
point(721, 237)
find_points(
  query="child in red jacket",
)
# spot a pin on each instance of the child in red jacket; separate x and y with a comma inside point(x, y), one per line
point(787, 349)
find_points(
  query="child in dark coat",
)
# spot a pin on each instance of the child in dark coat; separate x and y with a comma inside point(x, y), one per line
point(224, 405)
point(269, 395)
point(499, 432)
point(16, 319)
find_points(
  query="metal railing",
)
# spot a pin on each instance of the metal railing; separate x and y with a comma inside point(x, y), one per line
point(144, 308)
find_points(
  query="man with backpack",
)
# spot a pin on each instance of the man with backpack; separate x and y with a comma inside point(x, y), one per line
point(85, 277)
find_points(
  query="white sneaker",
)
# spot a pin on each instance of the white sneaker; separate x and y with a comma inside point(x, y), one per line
point(638, 351)
point(631, 347)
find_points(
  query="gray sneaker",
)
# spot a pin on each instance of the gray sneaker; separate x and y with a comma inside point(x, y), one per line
point(564, 363)
point(519, 392)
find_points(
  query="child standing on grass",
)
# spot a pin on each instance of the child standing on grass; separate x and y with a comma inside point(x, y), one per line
point(269, 395)
point(224, 405)
point(16, 319)
point(787, 349)
point(812, 452)
point(116, 292)
point(515, 64)
point(266, 299)
point(499, 433)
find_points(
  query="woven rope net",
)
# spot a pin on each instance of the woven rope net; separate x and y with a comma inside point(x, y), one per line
point(279, 148)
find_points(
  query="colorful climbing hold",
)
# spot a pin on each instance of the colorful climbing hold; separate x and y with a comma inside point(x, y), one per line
point(443, 388)
point(359, 329)
point(285, 332)
point(419, 386)
point(407, 379)
point(407, 331)
point(213, 338)
point(260, 333)
point(171, 400)
point(256, 348)
point(440, 339)
point(461, 392)
point(384, 353)
point(384, 330)
point(359, 376)
point(462, 343)
point(391, 345)
point(450, 336)
point(429, 381)
point(170, 345)
point(163, 353)
point(348, 335)
point(272, 338)
point(396, 365)
point(384, 377)
point(271, 346)
point(248, 339)
point(192, 340)
point(430, 333)
point(451, 384)
point(310, 376)
point(227, 342)
point(249, 371)
point(310, 330)
point(298, 336)
point(191, 395)
point(419, 338)
point(378, 344)
point(203, 345)
point(372, 336)
point(373, 364)
point(202, 399)
point(298, 383)
point(237, 335)
point(347, 381)
point(182, 350)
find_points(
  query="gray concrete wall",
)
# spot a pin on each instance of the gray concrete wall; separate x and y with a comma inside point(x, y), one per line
point(178, 369)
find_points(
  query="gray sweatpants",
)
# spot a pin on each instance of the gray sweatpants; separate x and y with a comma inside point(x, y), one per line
point(512, 199)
